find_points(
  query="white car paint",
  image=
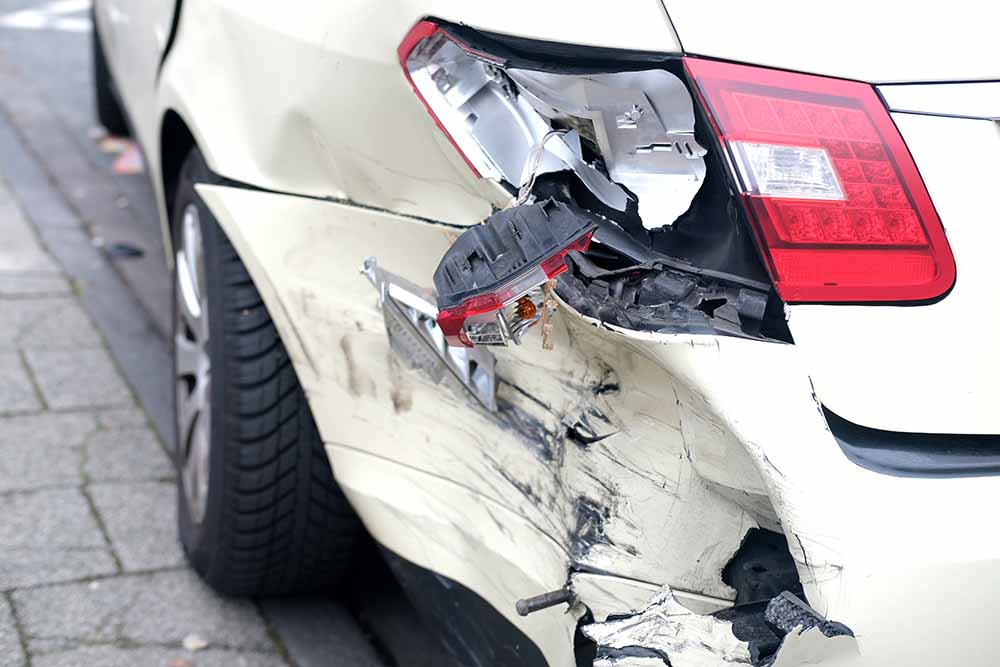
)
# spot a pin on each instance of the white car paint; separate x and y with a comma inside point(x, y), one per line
point(878, 42)
point(912, 368)
point(707, 436)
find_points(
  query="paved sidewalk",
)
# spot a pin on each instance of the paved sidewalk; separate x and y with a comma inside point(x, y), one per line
point(90, 569)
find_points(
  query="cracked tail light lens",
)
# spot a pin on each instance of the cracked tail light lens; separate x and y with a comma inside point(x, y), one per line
point(838, 204)
point(446, 75)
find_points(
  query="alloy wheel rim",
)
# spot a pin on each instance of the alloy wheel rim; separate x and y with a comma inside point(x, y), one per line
point(192, 366)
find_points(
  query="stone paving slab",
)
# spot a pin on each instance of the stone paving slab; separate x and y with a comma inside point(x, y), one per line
point(131, 453)
point(11, 651)
point(17, 393)
point(43, 450)
point(20, 251)
point(50, 536)
point(141, 520)
point(81, 378)
point(56, 322)
point(156, 609)
point(38, 283)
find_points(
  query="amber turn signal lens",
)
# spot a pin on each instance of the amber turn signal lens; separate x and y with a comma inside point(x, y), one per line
point(526, 308)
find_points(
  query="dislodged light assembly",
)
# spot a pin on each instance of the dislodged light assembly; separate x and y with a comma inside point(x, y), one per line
point(489, 283)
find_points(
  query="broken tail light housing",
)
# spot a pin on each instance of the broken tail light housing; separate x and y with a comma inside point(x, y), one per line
point(461, 90)
point(490, 281)
point(838, 204)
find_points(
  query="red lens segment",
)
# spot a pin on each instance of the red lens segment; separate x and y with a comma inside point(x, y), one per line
point(839, 206)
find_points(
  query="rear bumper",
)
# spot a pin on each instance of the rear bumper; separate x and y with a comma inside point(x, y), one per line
point(924, 368)
point(909, 563)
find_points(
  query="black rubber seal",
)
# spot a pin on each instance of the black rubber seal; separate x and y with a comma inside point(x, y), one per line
point(930, 455)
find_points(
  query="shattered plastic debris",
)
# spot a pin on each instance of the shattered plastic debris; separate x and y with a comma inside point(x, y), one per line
point(666, 631)
point(787, 612)
point(194, 642)
point(129, 160)
point(549, 305)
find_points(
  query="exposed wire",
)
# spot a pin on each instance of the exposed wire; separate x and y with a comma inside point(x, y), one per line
point(534, 161)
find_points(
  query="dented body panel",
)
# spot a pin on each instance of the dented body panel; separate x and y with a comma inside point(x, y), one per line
point(628, 464)
point(377, 145)
point(685, 454)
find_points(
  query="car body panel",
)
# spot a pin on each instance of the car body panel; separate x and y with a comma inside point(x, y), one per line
point(268, 82)
point(363, 396)
point(709, 388)
point(878, 42)
point(910, 368)
point(696, 439)
point(134, 34)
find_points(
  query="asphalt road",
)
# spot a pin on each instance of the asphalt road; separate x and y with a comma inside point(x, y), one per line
point(63, 182)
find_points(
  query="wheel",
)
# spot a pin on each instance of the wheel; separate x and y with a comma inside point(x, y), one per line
point(109, 111)
point(259, 512)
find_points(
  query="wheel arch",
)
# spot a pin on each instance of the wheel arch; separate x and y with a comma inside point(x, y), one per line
point(176, 140)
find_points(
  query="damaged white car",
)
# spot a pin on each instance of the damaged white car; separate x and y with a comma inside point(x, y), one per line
point(627, 330)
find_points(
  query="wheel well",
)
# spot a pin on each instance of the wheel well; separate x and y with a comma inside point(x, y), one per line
point(176, 141)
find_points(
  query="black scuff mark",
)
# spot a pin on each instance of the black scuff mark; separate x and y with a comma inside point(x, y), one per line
point(819, 404)
point(589, 531)
point(583, 436)
point(597, 414)
point(802, 548)
point(531, 397)
point(770, 464)
point(522, 487)
point(608, 382)
point(545, 443)
point(606, 388)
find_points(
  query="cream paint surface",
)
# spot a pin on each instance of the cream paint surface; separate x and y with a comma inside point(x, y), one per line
point(873, 551)
point(853, 39)
point(448, 528)
point(308, 98)
point(363, 397)
point(933, 368)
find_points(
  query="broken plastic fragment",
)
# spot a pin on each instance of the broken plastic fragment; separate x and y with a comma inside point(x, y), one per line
point(666, 629)
point(490, 268)
point(644, 129)
point(787, 612)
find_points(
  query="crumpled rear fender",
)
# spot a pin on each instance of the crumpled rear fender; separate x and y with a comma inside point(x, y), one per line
point(641, 455)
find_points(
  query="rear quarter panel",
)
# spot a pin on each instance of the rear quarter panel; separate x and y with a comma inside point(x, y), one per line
point(309, 98)
point(924, 368)
point(853, 39)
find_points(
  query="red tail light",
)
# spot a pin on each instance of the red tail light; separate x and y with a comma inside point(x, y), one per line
point(839, 207)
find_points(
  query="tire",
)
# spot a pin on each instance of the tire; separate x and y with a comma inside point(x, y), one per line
point(109, 111)
point(271, 520)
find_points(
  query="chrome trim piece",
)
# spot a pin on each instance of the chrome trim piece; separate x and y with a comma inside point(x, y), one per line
point(410, 314)
point(974, 99)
